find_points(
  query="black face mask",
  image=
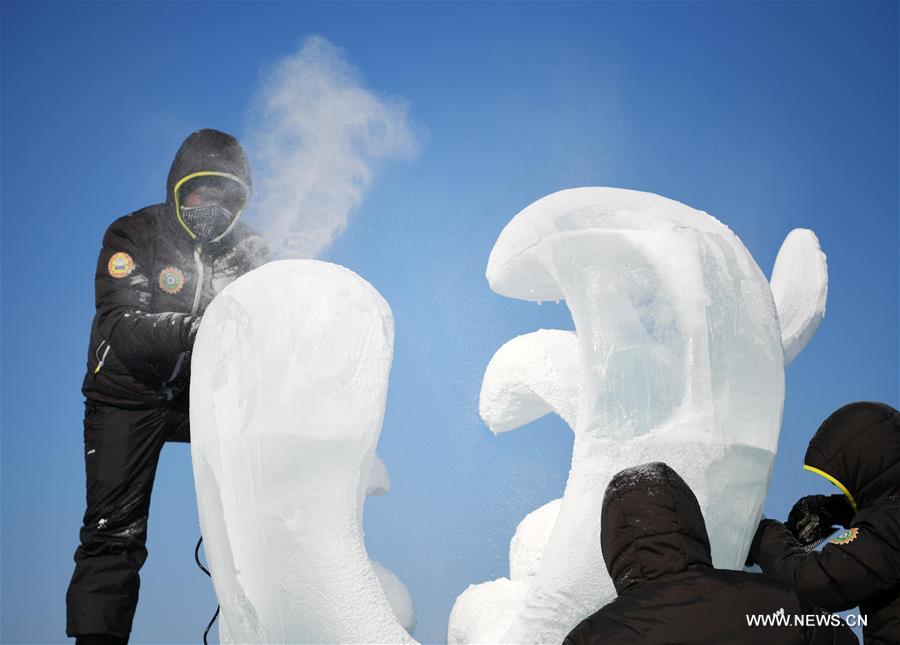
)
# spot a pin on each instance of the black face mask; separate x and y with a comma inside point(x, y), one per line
point(207, 222)
point(216, 202)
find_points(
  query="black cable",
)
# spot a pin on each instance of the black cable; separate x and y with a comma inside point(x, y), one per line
point(197, 557)
point(208, 627)
point(206, 571)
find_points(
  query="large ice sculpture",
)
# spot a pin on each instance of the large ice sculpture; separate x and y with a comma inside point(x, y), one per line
point(290, 374)
point(680, 357)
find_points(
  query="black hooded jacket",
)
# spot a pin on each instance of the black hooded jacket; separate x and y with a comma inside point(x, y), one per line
point(858, 449)
point(153, 279)
point(657, 551)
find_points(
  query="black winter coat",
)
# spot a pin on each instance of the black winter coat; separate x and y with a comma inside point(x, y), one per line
point(657, 551)
point(857, 448)
point(152, 280)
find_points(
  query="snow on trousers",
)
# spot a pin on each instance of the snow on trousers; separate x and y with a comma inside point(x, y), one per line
point(122, 449)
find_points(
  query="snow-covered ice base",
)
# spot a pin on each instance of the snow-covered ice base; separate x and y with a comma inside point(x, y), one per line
point(678, 356)
point(484, 613)
point(289, 381)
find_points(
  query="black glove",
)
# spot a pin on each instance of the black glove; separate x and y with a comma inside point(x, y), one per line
point(813, 517)
point(754, 544)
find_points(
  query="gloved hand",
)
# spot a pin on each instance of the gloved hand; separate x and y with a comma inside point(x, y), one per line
point(812, 518)
point(754, 544)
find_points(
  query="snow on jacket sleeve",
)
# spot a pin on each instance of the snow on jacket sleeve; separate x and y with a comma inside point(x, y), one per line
point(136, 334)
point(839, 577)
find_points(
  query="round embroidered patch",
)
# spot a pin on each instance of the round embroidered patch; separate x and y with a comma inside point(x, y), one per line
point(120, 265)
point(171, 280)
point(846, 537)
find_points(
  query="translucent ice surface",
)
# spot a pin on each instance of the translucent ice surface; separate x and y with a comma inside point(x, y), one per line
point(680, 358)
point(289, 380)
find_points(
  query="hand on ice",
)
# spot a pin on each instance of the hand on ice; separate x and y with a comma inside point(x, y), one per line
point(754, 544)
point(812, 518)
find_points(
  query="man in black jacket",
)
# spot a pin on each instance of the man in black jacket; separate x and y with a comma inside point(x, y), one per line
point(158, 270)
point(858, 449)
point(657, 551)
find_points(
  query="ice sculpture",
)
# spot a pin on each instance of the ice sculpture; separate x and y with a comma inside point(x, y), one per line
point(398, 596)
point(289, 380)
point(530, 376)
point(800, 286)
point(680, 358)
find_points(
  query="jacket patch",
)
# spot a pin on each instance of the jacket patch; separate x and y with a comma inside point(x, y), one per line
point(846, 537)
point(171, 280)
point(120, 265)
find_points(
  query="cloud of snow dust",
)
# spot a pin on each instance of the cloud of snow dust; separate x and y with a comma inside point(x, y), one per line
point(317, 136)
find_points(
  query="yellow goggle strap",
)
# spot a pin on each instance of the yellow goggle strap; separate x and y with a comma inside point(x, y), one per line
point(835, 482)
point(203, 173)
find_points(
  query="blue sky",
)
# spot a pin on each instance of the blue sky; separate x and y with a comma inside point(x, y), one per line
point(770, 116)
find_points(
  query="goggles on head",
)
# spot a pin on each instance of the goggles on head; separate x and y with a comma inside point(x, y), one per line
point(208, 203)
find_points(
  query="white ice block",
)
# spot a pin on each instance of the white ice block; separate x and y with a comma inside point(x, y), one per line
point(526, 549)
point(800, 286)
point(397, 595)
point(680, 359)
point(289, 380)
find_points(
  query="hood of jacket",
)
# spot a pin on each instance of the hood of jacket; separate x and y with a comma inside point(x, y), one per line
point(206, 151)
point(651, 526)
point(211, 151)
point(858, 449)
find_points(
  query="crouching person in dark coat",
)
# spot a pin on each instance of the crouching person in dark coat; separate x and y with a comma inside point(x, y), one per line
point(657, 551)
point(857, 449)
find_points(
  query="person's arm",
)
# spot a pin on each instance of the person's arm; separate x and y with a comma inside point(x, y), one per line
point(825, 633)
point(582, 634)
point(122, 287)
point(839, 577)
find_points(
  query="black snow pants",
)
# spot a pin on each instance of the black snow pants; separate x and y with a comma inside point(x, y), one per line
point(121, 452)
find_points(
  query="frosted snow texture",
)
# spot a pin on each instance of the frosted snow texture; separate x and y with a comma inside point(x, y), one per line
point(527, 545)
point(484, 612)
point(800, 286)
point(397, 595)
point(529, 377)
point(289, 380)
point(680, 359)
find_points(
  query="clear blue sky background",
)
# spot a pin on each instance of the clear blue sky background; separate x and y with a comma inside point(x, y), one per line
point(770, 116)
